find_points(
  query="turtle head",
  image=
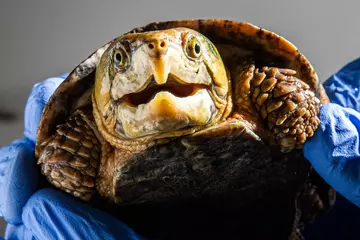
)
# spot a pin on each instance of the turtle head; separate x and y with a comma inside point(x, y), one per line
point(160, 84)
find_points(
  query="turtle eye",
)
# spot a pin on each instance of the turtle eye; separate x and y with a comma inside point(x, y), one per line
point(193, 48)
point(120, 58)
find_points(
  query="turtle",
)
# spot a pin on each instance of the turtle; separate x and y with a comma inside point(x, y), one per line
point(190, 129)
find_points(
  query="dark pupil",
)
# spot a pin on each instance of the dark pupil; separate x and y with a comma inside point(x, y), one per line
point(197, 48)
point(118, 57)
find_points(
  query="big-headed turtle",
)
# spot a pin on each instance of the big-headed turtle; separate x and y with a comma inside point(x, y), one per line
point(193, 128)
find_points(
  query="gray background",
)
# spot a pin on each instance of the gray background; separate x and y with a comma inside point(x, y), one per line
point(44, 38)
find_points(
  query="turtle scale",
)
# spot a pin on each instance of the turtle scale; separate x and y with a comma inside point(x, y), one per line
point(282, 180)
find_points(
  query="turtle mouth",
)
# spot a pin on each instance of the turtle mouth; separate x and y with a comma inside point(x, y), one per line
point(173, 85)
point(158, 109)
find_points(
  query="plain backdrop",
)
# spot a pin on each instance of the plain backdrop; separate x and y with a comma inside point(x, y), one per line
point(45, 38)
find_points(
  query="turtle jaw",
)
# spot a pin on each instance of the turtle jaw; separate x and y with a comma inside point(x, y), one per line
point(164, 108)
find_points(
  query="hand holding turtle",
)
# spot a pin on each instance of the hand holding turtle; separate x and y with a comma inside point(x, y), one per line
point(69, 153)
point(123, 104)
point(334, 150)
point(47, 213)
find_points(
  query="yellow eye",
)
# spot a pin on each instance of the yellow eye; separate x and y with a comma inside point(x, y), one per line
point(120, 58)
point(193, 48)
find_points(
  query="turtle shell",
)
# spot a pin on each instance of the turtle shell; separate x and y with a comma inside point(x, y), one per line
point(277, 192)
point(81, 79)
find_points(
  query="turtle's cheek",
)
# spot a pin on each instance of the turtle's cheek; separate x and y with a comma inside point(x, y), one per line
point(165, 113)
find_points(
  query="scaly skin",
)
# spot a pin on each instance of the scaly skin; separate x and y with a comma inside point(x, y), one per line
point(283, 102)
point(71, 157)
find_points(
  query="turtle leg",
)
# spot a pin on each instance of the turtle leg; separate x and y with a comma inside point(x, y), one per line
point(285, 103)
point(70, 157)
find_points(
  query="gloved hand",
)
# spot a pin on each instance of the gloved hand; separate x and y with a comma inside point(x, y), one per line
point(334, 150)
point(334, 153)
point(46, 213)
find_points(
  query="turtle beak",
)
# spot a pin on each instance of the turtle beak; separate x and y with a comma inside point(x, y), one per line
point(158, 49)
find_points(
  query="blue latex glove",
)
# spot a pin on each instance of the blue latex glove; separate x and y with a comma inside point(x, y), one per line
point(343, 87)
point(334, 152)
point(33, 213)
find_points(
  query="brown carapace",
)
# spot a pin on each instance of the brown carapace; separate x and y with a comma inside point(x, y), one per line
point(190, 129)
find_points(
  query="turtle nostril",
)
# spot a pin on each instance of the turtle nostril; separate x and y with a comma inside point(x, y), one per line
point(162, 44)
point(157, 46)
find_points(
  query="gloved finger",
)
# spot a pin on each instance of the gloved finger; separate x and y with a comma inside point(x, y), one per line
point(18, 231)
point(343, 87)
point(36, 102)
point(334, 150)
point(19, 178)
point(51, 214)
